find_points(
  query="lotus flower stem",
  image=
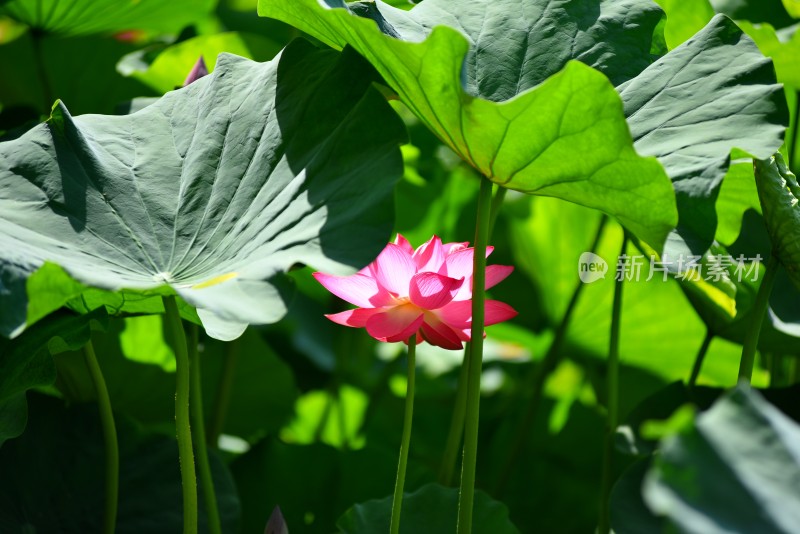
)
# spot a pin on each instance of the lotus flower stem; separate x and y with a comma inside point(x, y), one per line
point(397, 500)
point(456, 431)
point(475, 363)
point(795, 130)
point(184, 431)
point(199, 433)
point(612, 393)
point(701, 355)
point(756, 319)
point(109, 438)
point(538, 376)
point(223, 398)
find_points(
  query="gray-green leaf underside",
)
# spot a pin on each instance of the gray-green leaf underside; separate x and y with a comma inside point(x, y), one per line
point(713, 93)
point(211, 193)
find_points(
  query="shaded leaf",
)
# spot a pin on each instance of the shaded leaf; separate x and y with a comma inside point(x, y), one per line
point(432, 509)
point(210, 193)
point(779, 193)
point(735, 469)
point(26, 362)
point(60, 461)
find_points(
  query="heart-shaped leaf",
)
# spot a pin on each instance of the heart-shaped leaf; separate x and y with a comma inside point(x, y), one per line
point(81, 17)
point(209, 193)
point(512, 112)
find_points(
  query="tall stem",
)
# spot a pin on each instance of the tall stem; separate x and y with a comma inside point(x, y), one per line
point(397, 501)
point(199, 435)
point(41, 70)
point(701, 355)
point(757, 317)
point(447, 469)
point(183, 428)
point(475, 364)
point(795, 129)
point(223, 398)
point(109, 439)
point(539, 374)
point(612, 387)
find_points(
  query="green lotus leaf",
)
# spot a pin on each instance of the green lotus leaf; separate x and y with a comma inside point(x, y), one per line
point(779, 193)
point(81, 17)
point(734, 469)
point(690, 108)
point(210, 193)
point(520, 111)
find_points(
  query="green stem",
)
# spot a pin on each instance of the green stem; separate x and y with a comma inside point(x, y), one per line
point(223, 398)
point(701, 355)
point(47, 92)
point(109, 438)
point(475, 364)
point(199, 436)
point(183, 428)
point(757, 317)
point(447, 469)
point(538, 377)
point(397, 501)
point(793, 148)
point(497, 203)
point(455, 433)
point(612, 387)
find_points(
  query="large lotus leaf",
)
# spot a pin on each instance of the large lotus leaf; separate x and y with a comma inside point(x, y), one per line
point(736, 468)
point(520, 111)
point(81, 17)
point(780, 193)
point(691, 107)
point(209, 192)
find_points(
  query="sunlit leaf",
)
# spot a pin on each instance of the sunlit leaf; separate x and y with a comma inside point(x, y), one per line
point(81, 17)
point(512, 112)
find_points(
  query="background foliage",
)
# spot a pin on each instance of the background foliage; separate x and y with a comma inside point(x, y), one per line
point(306, 415)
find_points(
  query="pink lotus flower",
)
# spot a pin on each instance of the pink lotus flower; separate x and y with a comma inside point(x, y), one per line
point(426, 292)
